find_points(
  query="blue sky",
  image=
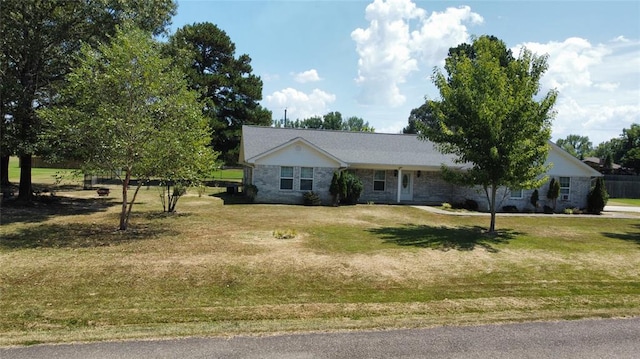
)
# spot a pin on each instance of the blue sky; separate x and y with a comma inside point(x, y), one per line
point(374, 59)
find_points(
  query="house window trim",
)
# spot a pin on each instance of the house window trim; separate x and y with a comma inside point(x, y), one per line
point(384, 181)
point(307, 178)
point(287, 178)
point(566, 195)
point(519, 196)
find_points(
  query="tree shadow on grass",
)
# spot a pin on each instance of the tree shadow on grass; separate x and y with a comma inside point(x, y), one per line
point(444, 238)
point(633, 235)
point(80, 235)
point(45, 206)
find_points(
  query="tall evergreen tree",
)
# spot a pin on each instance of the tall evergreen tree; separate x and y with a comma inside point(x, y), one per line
point(227, 87)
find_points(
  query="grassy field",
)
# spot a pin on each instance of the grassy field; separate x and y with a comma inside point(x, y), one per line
point(216, 268)
point(46, 177)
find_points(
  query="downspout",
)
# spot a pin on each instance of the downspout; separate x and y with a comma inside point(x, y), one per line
point(399, 179)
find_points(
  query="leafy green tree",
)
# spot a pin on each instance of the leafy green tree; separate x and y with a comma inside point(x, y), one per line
point(314, 122)
point(598, 197)
point(491, 117)
point(39, 40)
point(422, 114)
point(332, 121)
point(356, 124)
point(576, 145)
point(630, 151)
point(227, 87)
point(127, 111)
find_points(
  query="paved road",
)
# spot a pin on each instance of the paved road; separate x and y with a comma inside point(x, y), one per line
point(610, 338)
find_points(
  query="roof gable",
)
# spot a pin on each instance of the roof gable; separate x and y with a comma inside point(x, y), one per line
point(565, 165)
point(296, 152)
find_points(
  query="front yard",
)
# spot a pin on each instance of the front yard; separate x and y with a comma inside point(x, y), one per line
point(67, 274)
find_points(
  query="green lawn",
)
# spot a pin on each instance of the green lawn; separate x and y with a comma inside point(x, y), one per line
point(48, 176)
point(216, 269)
point(624, 202)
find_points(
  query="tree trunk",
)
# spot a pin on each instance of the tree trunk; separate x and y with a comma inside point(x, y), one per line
point(123, 212)
point(4, 170)
point(492, 205)
point(25, 189)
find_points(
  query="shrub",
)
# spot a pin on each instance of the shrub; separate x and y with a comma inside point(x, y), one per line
point(285, 234)
point(553, 192)
point(535, 198)
point(251, 191)
point(598, 197)
point(547, 209)
point(510, 209)
point(311, 199)
point(334, 188)
point(446, 205)
point(353, 188)
point(568, 211)
point(470, 205)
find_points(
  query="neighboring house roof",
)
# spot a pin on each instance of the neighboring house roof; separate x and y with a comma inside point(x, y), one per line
point(598, 163)
point(376, 150)
point(357, 149)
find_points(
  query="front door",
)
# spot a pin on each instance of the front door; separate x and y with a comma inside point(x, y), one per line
point(406, 186)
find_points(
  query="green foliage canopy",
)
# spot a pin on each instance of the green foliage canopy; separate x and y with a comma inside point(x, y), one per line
point(491, 116)
point(127, 110)
point(39, 41)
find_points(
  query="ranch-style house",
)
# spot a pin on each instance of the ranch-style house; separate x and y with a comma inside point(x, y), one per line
point(285, 163)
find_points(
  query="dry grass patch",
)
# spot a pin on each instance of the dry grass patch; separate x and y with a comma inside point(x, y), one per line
point(218, 269)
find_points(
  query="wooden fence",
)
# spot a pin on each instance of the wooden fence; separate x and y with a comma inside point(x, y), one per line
point(622, 186)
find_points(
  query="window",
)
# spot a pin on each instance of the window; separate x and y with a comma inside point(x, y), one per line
point(286, 177)
point(565, 188)
point(306, 178)
point(379, 178)
point(516, 193)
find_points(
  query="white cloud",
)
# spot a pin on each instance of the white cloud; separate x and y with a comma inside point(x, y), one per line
point(299, 105)
point(599, 86)
point(569, 61)
point(307, 76)
point(441, 31)
point(389, 52)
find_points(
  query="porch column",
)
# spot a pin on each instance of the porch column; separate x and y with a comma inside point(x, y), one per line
point(399, 178)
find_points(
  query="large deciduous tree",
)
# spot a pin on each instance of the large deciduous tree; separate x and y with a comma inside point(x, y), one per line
point(39, 39)
point(630, 147)
point(227, 87)
point(576, 145)
point(127, 110)
point(490, 115)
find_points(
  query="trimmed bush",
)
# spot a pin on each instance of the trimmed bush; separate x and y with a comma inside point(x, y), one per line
point(510, 209)
point(535, 198)
point(598, 197)
point(311, 199)
point(251, 191)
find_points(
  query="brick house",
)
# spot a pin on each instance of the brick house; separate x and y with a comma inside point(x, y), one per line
point(284, 163)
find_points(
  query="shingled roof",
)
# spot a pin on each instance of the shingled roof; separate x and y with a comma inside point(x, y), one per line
point(354, 148)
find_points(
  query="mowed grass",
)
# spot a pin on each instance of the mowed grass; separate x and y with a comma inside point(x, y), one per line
point(67, 274)
point(635, 202)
